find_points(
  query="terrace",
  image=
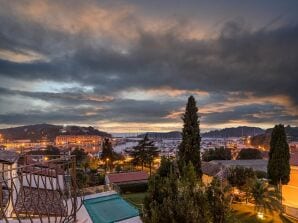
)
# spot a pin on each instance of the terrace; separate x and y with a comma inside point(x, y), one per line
point(38, 189)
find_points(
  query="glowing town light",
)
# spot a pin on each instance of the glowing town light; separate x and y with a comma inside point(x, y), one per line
point(260, 215)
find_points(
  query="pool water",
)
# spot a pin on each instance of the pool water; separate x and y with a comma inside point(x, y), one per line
point(108, 209)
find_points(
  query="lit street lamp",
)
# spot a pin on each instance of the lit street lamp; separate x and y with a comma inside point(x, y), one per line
point(107, 161)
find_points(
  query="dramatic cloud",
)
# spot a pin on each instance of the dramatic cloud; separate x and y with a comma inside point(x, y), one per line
point(126, 62)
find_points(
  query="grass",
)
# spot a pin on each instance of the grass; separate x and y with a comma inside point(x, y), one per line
point(135, 199)
point(246, 214)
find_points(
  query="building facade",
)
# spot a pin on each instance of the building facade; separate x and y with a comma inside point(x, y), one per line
point(90, 143)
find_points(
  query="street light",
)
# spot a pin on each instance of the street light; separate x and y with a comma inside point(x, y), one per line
point(107, 160)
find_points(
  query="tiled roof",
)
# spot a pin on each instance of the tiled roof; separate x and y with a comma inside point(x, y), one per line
point(255, 164)
point(127, 177)
point(210, 168)
point(40, 201)
point(8, 156)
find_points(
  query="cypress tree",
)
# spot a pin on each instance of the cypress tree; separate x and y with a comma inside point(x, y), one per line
point(278, 168)
point(189, 149)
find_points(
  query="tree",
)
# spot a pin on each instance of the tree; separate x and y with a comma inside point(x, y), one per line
point(247, 154)
point(93, 163)
point(189, 149)
point(166, 167)
point(218, 201)
point(52, 151)
point(217, 154)
point(80, 155)
point(173, 199)
point(144, 153)
point(238, 176)
point(266, 197)
point(278, 168)
point(81, 178)
point(107, 152)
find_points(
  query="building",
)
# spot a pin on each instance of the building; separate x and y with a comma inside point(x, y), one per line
point(120, 179)
point(90, 143)
point(8, 165)
point(213, 167)
point(25, 144)
point(290, 190)
point(39, 191)
point(220, 168)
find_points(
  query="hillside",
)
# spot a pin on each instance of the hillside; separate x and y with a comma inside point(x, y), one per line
point(264, 139)
point(234, 132)
point(163, 135)
point(227, 132)
point(41, 131)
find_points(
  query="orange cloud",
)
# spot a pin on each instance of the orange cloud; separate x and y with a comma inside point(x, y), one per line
point(236, 101)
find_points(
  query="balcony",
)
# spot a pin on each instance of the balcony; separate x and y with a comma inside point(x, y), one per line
point(36, 188)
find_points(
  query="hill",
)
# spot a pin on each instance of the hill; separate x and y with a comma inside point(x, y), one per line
point(264, 139)
point(163, 135)
point(234, 132)
point(42, 131)
point(227, 132)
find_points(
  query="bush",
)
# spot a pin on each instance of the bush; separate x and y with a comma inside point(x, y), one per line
point(96, 179)
point(133, 188)
point(261, 174)
point(238, 176)
point(247, 154)
point(217, 154)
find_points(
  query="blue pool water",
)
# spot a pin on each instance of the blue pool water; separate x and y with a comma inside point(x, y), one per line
point(108, 209)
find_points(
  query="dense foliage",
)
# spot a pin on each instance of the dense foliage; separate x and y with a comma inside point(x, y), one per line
point(189, 149)
point(239, 176)
point(133, 187)
point(80, 154)
point(182, 198)
point(266, 197)
point(279, 157)
point(144, 153)
point(217, 154)
point(249, 154)
point(52, 151)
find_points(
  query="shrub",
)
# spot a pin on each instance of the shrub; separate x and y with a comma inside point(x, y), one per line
point(133, 187)
point(247, 154)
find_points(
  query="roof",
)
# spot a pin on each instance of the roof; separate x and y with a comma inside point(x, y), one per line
point(220, 168)
point(255, 164)
point(7, 156)
point(127, 177)
point(210, 168)
point(40, 201)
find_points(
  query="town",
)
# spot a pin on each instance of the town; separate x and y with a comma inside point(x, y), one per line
point(115, 167)
point(161, 111)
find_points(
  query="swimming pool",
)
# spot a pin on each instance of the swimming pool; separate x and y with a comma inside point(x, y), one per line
point(109, 209)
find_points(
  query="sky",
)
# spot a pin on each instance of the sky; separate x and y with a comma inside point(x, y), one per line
point(130, 65)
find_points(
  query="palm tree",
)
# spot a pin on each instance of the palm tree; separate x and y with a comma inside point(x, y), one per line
point(266, 197)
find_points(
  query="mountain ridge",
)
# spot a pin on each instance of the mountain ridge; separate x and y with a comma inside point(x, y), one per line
point(222, 133)
point(48, 131)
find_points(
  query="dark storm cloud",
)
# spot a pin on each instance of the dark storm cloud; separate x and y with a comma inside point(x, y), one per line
point(263, 62)
point(253, 113)
point(118, 111)
point(240, 58)
point(65, 98)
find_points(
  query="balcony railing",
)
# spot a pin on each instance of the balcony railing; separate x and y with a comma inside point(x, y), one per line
point(39, 189)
